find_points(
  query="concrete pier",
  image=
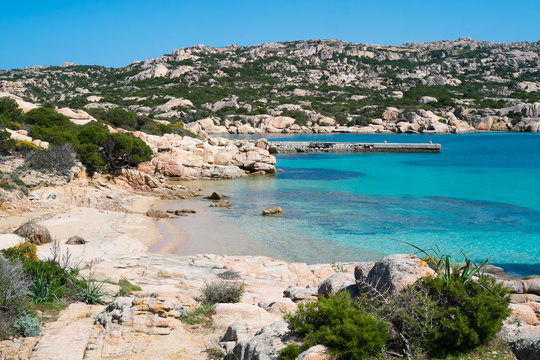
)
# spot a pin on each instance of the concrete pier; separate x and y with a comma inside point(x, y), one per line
point(291, 147)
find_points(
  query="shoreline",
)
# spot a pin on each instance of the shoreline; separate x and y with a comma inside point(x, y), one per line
point(203, 232)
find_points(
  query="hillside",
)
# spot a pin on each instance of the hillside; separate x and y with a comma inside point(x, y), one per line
point(442, 86)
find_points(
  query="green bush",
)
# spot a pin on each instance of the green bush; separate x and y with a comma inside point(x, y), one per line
point(342, 325)
point(125, 150)
point(223, 292)
point(55, 134)
point(468, 313)
point(91, 291)
point(290, 352)
point(27, 326)
point(118, 118)
point(48, 280)
point(200, 316)
point(7, 144)
point(9, 113)
point(46, 117)
point(98, 149)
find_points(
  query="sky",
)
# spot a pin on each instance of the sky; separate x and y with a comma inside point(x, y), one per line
point(116, 32)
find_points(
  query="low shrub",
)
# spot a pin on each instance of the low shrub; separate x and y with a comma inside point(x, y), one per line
point(14, 283)
point(126, 287)
point(7, 144)
point(27, 326)
point(229, 275)
point(24, 251)
point(14, 286)
point(341, 324)
point(291, 351)
point(455, 311)
point(200, 316)
point(98, 149)
point(91, 291)
point(58, 159)
point(223, 292)
point(48, 280)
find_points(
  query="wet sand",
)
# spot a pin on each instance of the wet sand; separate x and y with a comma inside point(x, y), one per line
point(204, 232)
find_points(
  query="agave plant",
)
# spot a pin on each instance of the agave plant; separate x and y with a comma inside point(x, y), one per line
point(447, 267)
point(41, 291)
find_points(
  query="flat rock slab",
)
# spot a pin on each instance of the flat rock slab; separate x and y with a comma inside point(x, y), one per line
point(65, 343)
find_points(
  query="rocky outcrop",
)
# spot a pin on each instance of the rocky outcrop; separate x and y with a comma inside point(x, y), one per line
point(148, 324)
point(22, 135)
point(318, 86)
point(191, 158)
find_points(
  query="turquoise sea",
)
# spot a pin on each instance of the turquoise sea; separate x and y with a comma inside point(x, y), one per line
point(481, 194)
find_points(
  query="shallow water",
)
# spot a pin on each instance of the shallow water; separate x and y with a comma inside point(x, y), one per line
point(481, 194)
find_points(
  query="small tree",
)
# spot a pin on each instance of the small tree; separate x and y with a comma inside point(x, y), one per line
point(9, 112)
point(99, 150)
point(125, 150)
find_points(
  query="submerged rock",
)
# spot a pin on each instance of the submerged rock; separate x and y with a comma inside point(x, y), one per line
point(157, 214)
point(221, 203)
point(216, 196)
point(273, 211)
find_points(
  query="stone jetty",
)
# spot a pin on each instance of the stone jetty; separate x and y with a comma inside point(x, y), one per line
point(289, 147)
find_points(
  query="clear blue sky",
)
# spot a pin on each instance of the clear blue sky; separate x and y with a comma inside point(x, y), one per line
point(117, 32)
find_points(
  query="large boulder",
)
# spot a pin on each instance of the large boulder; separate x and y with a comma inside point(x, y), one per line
point(299, 293)
point(532, 284)
point(524, 313)
point(390, 114)
point(524, 339)
point(36, 234)
point(317, 352)
point(336, 283)
point(253, 317)
point(393, 273)
point(265, 345)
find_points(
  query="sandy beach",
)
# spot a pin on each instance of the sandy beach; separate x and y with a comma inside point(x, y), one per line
point(106, 232)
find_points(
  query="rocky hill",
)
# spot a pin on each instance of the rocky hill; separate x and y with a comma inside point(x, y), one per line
point(309, 86)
